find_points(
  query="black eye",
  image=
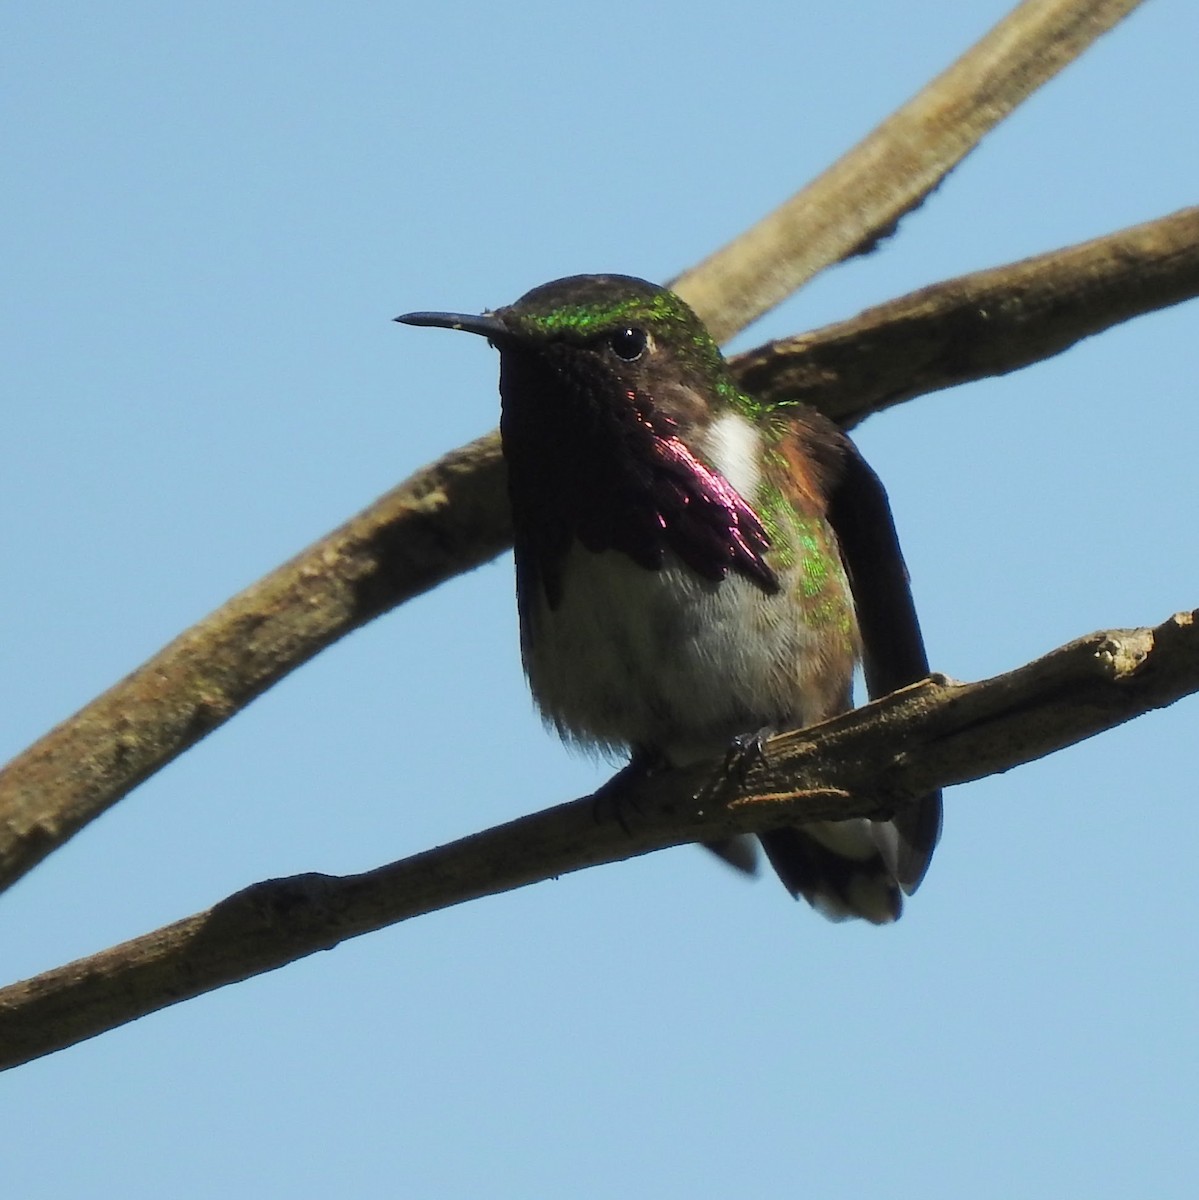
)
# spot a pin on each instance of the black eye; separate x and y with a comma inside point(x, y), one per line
point(628, 344)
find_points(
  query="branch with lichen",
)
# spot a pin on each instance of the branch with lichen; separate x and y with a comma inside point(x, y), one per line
point(865, 763)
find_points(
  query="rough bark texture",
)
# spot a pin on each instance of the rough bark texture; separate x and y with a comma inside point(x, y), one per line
point(452, 516)
point(862, 764)
point(448, 518)
point(862, 197)
point(986, 323)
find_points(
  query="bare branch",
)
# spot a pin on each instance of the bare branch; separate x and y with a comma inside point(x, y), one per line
point(977, 325)
point(446, 519)
point(863, 195)
point(452, 516)
point(864, 763)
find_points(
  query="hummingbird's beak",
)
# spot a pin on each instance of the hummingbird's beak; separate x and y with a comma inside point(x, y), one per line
point(487, 325)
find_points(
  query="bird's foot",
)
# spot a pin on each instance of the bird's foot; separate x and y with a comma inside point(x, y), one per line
point(745, 752)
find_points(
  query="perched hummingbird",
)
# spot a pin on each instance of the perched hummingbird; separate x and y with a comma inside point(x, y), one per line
point(685, 557)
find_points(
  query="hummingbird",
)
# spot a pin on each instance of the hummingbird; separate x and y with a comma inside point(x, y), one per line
point(696, 570)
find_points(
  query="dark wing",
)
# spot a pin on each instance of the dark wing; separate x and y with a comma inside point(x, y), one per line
point(892, 647)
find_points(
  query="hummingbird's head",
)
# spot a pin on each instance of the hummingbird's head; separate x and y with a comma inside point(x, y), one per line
point(601, 332)
point(607, 386)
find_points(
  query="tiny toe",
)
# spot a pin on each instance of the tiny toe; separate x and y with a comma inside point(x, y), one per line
point(745, 751)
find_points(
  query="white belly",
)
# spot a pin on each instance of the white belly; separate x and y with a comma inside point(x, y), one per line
point(667, 661)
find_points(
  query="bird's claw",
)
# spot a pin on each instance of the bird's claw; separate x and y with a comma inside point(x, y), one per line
point(745, 752)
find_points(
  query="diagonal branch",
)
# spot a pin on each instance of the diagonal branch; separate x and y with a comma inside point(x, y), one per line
point(453, 515)
point(988, 323)
point(864, 763)
point(863, 195)
point(445, 519)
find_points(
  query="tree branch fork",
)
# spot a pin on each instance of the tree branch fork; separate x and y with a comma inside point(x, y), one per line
point(866, 763)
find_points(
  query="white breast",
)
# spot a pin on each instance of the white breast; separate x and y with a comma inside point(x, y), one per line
point(666, 660)
point(733, 445)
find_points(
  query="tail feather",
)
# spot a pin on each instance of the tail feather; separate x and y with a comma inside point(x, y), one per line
point(910, 839)
point(741, 853)
point(838, 867)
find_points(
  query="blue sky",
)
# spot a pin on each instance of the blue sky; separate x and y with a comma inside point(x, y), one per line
point(210, 216)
